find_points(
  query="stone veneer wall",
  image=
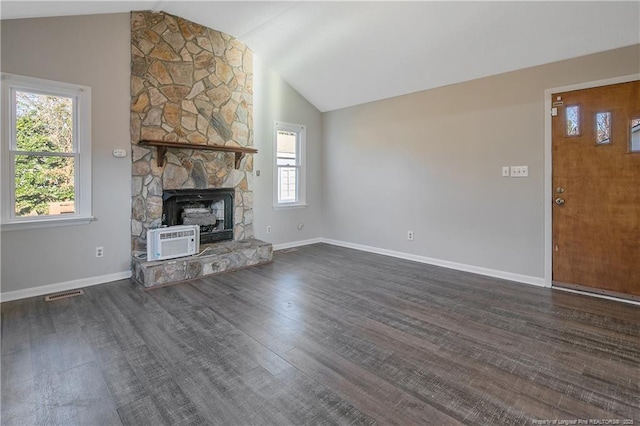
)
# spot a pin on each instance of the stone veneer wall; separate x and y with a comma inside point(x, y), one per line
point(189, 84)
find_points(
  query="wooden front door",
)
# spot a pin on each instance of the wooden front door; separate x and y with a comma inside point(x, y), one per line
point(596, 189)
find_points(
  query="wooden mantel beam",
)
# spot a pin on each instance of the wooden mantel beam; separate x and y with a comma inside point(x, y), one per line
point(162, 146)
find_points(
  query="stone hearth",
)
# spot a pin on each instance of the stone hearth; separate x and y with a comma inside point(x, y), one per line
point(220, 257)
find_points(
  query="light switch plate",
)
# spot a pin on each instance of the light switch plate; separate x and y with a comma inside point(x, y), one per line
point(519, 171)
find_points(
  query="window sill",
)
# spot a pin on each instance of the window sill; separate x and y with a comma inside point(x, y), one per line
point(290, 206)
point(45, 223)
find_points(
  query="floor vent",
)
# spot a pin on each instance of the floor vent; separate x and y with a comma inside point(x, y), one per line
point(63, 295)
point(289, 250)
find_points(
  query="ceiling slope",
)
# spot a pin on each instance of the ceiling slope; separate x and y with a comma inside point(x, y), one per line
point(339, 54)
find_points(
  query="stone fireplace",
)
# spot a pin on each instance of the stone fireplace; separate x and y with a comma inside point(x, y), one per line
point(192, 86)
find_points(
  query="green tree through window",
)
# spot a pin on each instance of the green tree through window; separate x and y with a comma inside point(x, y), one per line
point(44, 162)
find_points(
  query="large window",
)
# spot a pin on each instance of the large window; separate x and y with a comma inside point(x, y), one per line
point(290, 179)
point(46, 153)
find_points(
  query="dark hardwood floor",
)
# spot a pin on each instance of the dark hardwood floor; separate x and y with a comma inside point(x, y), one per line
point(324, 335)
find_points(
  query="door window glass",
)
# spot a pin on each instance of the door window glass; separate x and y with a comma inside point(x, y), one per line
point(603, 128)
point(572, 115)
point(635, 135)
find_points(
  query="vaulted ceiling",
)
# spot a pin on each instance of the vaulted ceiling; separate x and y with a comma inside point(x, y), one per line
point(338, 54)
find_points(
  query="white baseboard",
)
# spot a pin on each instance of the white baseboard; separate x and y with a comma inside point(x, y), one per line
point(86, 282)
point(297, 243)
point(63, 286)
point(525, 279)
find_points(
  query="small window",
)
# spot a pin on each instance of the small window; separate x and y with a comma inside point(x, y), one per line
point(635, 135)
point(46, 153)
point(603, 128)
point(572, 116)
point(290, 179)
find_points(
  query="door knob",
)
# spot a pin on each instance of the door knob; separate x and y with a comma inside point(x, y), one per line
point(559, 201)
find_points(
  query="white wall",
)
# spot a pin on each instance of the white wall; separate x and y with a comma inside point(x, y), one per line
point(275, 100)
point(91, 51)
point(431, 162)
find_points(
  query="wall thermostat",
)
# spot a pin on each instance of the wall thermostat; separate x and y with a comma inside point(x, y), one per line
point(119, 153)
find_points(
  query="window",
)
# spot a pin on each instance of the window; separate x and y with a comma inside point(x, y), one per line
point(290, 178)
point(573, 120)
point(634, 139)
point(46, 153)
point(603, 128)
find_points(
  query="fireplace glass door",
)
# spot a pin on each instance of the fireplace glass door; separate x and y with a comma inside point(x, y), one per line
point(211, 209)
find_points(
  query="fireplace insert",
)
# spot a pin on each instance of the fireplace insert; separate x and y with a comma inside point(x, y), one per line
point(211, 209)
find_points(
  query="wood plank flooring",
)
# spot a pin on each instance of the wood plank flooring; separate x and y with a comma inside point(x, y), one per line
point(324, 335)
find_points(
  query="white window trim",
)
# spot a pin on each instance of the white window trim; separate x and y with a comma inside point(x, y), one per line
point(82, 129)
point(301, 130)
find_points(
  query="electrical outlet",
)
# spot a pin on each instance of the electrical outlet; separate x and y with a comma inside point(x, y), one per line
point(506, 171)
point(99, 251)
point(410, 235)
point(268, 229)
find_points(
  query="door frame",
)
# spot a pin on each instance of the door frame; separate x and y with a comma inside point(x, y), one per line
point(548, 163)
